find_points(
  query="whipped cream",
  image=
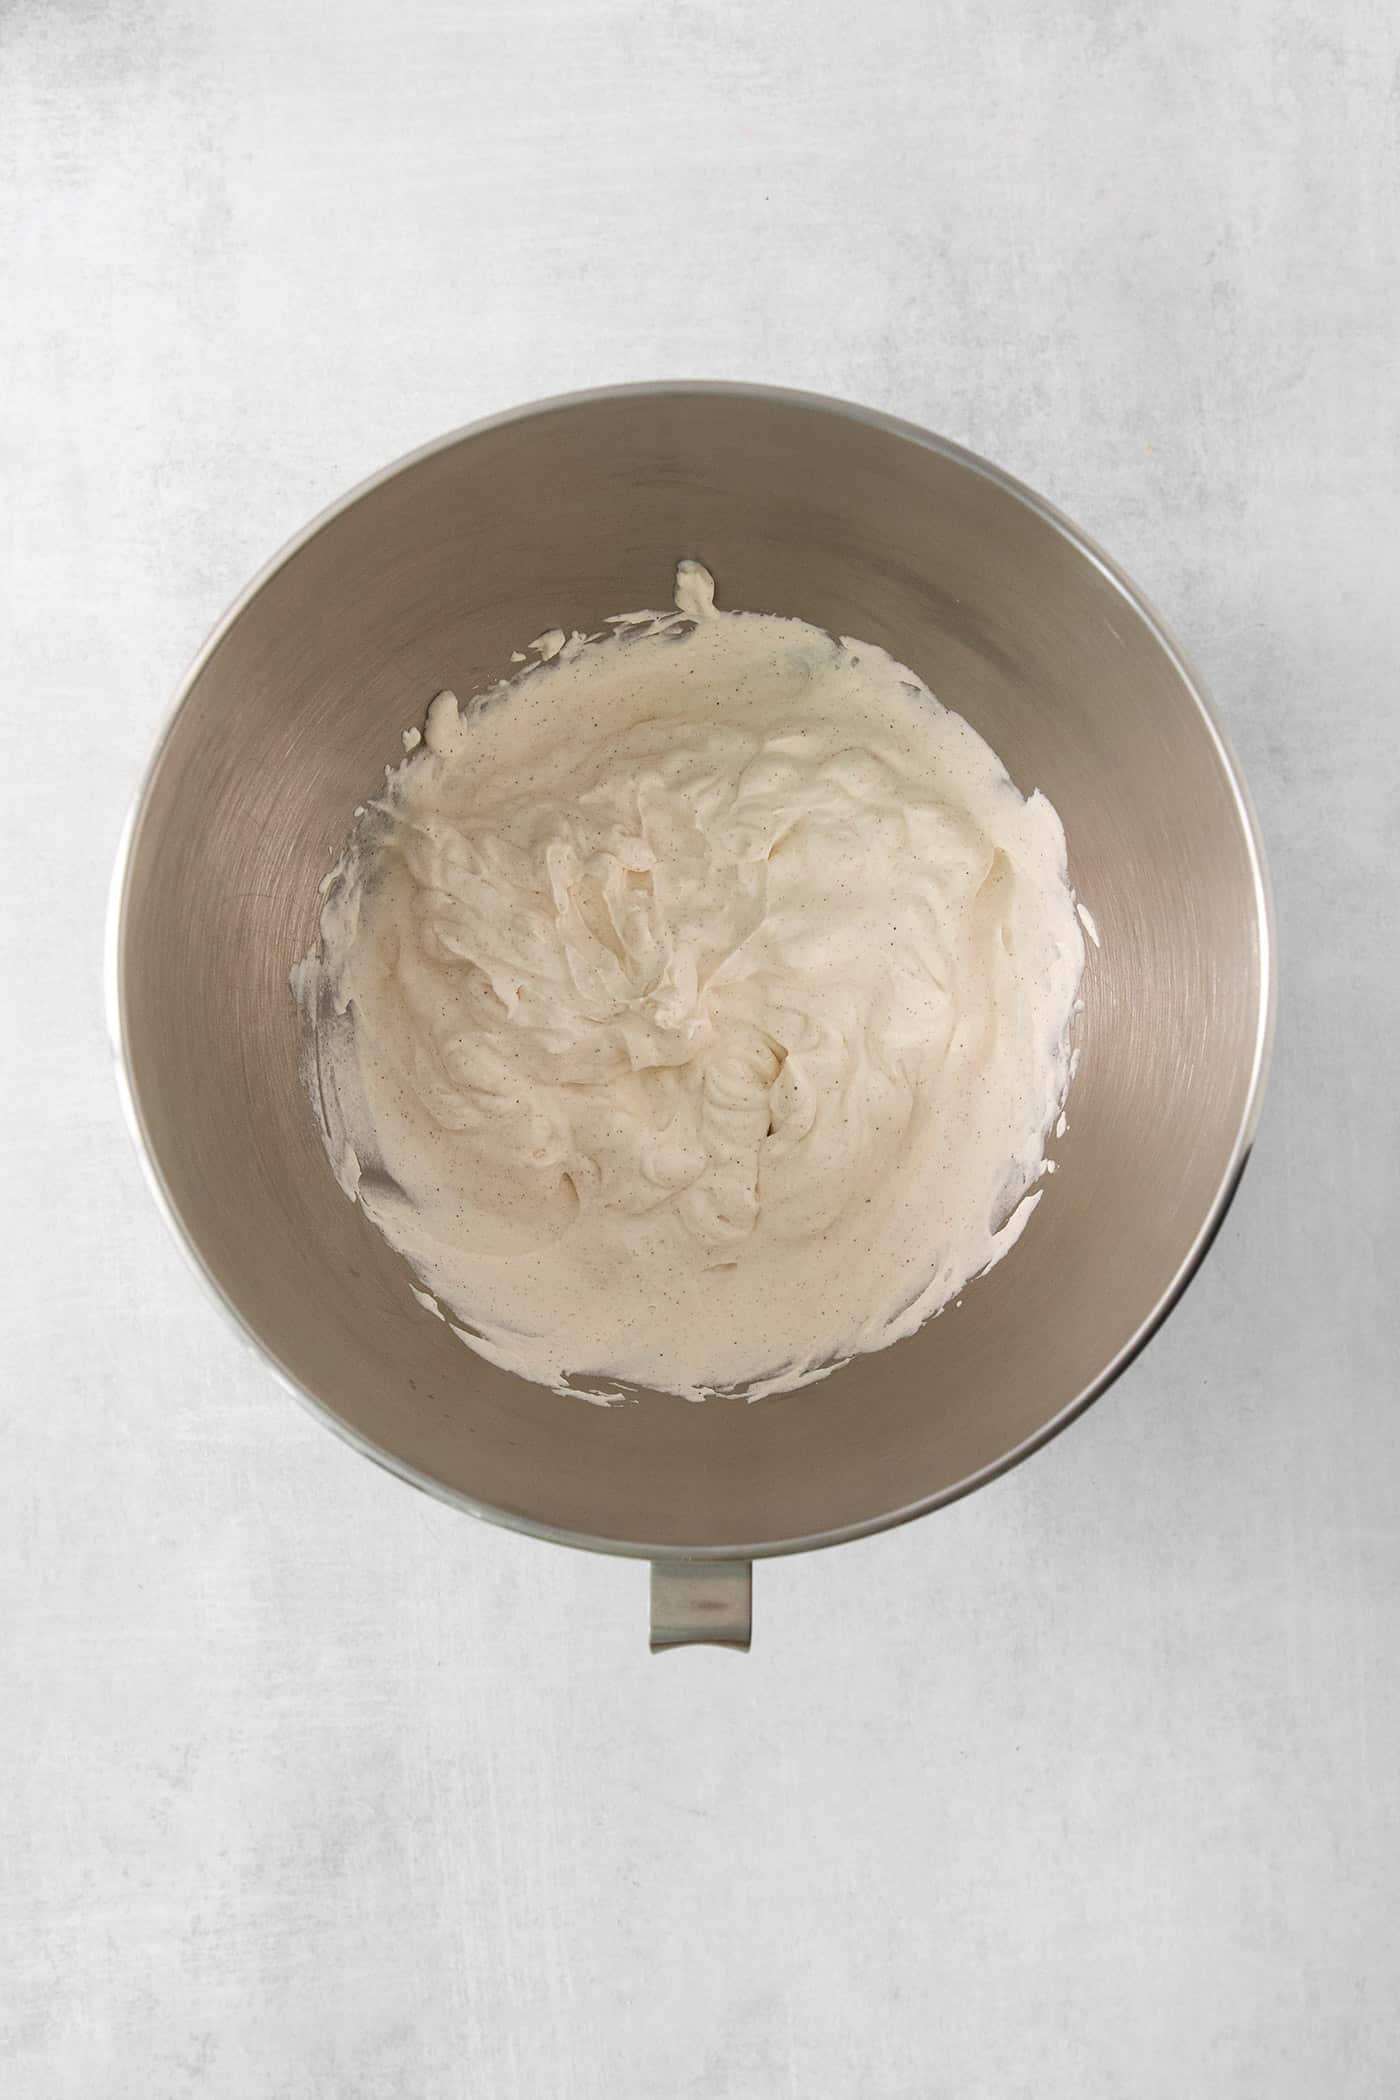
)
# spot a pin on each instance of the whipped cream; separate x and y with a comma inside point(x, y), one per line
point(692, 1008)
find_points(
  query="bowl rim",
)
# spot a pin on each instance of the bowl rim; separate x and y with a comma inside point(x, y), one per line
point(118, 912)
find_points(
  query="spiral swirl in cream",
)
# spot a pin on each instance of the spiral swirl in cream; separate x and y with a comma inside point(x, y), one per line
point(691, 1011)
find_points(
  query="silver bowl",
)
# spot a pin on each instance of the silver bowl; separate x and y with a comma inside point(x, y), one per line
point(557, 515)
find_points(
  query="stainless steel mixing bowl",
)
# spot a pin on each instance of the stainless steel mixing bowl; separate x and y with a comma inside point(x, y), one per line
point(558, 515)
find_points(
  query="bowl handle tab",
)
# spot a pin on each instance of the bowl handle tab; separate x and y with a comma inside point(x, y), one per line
point(701, 1600)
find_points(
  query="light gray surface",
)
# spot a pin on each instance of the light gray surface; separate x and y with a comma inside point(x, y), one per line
point(1087, 1787)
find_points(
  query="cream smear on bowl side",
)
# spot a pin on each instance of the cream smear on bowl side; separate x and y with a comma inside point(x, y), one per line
point(691, 1009)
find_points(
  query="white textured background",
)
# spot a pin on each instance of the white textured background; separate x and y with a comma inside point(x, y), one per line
point(1085, 1790)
